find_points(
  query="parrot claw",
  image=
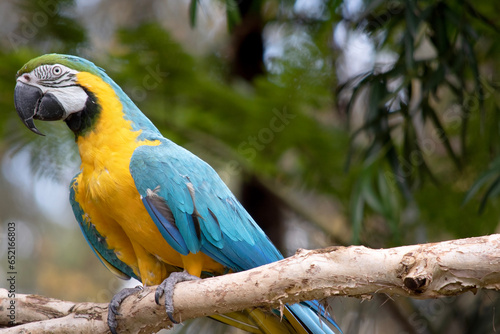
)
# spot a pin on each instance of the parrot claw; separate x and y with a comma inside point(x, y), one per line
point(115, 303)
point(167, 288)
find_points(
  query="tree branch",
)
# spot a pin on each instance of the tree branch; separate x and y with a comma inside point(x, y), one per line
point(420, 271)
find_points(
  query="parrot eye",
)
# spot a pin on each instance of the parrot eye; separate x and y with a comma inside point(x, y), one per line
point(56, 70)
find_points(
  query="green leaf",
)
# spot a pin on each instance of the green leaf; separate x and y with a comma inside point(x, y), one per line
point(440, 36)
point(493, 171)
point(369, 193)
point(357, 205)
point(192, 12)
point(434, 79)
point(412, 20)
point(481, 17)
point(233, 14)
point(492, 191)
point(443, 136)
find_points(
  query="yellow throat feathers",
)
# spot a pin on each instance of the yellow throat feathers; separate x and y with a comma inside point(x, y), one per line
point(111, 125)
point(108, 146)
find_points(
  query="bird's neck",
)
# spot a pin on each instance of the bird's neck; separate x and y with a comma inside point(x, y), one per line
point(105, 134)
point(81, 122)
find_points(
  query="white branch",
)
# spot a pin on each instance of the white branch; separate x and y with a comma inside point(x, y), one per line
point(419, 271)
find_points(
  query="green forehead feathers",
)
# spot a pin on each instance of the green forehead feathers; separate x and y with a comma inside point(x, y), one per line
point(73, 62)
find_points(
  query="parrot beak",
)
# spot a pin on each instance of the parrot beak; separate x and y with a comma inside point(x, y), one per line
point(31, 104)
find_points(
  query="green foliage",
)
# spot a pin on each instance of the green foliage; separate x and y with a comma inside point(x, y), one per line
point(193, 5)
point(375, 180)
point(419, 109)
point(462, 221)
point(232, 14)
point(48, 23)
point(233, 17)
point(491, 177)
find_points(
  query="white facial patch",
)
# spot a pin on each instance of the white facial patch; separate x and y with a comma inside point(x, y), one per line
point(72, 98)
point(60, 81)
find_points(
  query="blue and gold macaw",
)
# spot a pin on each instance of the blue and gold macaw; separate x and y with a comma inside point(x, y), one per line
point(147, 206)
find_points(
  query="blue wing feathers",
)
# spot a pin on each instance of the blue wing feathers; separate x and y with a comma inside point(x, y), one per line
point(227, 232)
point(208, 217)
point(211, 228)
point(194, 243)
point(169, 230)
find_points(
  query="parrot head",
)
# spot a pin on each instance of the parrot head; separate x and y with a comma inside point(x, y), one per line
point(48, 89)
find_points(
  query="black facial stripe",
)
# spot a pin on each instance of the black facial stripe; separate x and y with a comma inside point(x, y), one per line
point(55, 86)
point(42, 72)
point(52, 83)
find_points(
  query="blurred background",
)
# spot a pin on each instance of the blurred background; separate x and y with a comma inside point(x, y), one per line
point(334, 122)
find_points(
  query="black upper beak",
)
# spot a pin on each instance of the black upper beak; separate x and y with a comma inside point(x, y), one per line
point(26, 99)
point(31, 104)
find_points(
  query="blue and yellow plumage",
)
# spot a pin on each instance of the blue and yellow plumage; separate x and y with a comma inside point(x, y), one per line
point(147, 206)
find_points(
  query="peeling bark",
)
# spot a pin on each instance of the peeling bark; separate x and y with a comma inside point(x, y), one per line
point(420, 271)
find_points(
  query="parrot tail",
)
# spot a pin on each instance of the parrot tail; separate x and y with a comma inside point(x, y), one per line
point(311, 318)
point(302, 318)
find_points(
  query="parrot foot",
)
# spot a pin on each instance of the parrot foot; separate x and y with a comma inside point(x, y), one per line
point(167, 288)
point(115, 303)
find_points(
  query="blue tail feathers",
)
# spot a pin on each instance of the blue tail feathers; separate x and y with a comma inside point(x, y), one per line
point(314, 318)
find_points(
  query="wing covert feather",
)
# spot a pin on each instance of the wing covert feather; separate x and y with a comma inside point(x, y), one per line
point(206, 214)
